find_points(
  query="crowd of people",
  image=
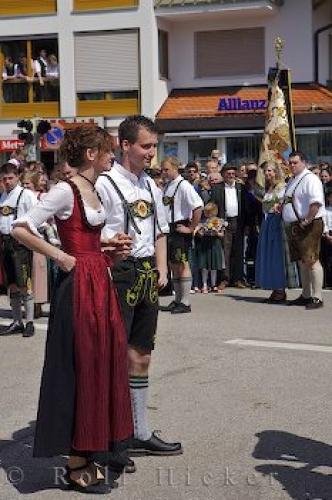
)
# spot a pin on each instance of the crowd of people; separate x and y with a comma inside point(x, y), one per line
point(109, 237)
point(247, 212)
point(42, 71)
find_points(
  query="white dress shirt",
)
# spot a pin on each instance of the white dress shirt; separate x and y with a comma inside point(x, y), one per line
point(185, 201)
point(231, 201)
point(133, 189)
point(58, 201)
point(27, 200)
point(308, 190)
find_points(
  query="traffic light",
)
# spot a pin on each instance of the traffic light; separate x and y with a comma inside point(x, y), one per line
point(25, 135)
point(43, 127)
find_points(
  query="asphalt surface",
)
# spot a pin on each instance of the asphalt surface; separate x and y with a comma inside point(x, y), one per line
point(254, 417)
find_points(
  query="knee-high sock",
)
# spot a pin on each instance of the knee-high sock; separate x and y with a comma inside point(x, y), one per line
point(317, 277)
point(139, 387)
point(205, 273)
point(305, 280)
point(177, 289)
point(185, 285)
point(15, 304)
point(28, 301)
point(213, 277)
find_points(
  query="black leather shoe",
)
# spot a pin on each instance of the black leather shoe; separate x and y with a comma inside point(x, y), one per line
point(14, 327)
point(168, 308)
point(181, 308)
point(120, 462)
point(300, 301)
point(98, 488)
point(154, 446)
point(315, 303)
point(29, 330)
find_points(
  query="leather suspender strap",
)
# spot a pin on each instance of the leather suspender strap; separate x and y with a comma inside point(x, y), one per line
point(293, 193)
point(129, 217)
point(172, 202)
point(17, 203)
point(155, 215)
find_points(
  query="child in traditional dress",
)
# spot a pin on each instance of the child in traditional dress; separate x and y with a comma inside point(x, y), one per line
point(210, 254)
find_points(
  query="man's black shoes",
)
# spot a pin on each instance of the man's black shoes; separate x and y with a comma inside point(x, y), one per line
point(168, 308)
point(180, 309)
point(13, 328)
point(154, 446)
point(315, 303)
point(300, 301)
point(29, 329)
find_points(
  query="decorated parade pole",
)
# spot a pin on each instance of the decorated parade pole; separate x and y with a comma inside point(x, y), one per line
point(279, 132)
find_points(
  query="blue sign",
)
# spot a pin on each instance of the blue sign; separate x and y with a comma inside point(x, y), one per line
point(54, 136)
point(238, 104)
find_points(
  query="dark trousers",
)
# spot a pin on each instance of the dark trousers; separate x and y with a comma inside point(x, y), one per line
point(233, 249)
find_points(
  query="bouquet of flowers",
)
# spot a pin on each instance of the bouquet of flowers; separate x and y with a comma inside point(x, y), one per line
point(213, 226)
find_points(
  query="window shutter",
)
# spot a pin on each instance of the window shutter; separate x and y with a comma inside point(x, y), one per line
point(230, 52)
point(107, 61)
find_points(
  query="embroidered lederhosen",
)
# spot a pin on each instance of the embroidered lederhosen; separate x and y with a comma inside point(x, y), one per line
point(303, 241)
point(136, 279)
point(178, 243)
point(17, 259)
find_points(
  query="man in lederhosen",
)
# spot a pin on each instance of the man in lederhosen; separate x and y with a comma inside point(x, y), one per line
point(302, 212)
point(15, 201)
point(133, 206)
point(184, 210)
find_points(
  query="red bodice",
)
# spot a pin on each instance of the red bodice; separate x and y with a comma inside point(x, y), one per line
point(77, 236)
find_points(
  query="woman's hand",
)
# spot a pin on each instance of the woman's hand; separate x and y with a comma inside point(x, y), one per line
point(65, 261)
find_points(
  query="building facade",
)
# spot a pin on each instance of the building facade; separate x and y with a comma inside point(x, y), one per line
point(190, 64)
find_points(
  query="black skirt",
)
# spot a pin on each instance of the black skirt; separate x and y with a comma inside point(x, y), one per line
point(55, 417)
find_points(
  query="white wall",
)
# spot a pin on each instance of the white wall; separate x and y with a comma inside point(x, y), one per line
point(284, 23)
point(321, 17)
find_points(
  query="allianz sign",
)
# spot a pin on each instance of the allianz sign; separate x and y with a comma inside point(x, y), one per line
point(238, 104)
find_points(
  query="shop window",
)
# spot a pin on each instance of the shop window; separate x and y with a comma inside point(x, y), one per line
point(163, 53)
point(29, 71)
point(171, 149)
point(200, 149)
point(316, 147)
point(243, 147)
point(225, 53)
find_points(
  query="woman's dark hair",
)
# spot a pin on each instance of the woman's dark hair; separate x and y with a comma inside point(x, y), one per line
point(78, 140)
point(129, 128)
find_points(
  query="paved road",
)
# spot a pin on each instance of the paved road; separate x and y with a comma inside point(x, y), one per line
point(254, 417)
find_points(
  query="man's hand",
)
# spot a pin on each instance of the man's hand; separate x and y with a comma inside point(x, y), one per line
point(183, 229)
point(163, 279)
point(119, 246)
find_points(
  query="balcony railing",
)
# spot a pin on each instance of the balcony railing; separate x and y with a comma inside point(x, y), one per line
point(15, 8)
point(93, 5)
point(25, 97)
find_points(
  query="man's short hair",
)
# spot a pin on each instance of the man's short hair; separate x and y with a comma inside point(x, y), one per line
point(8, 168)
point(300, 154)
point(190, 165)
point(130, 126)
point(229, 166)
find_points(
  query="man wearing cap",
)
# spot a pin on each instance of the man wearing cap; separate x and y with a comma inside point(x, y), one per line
point(229, 196)
point(303, 210)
